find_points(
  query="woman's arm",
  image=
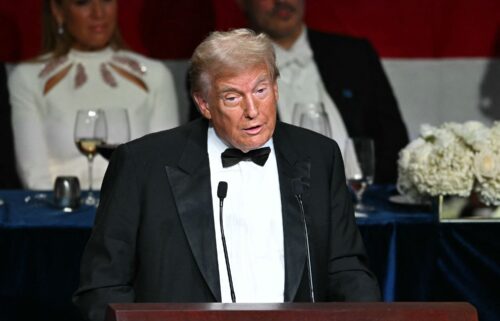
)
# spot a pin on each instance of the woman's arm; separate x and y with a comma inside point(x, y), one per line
point(27, 123)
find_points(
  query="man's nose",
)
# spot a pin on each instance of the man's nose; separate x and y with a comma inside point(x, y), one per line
point(251, 108)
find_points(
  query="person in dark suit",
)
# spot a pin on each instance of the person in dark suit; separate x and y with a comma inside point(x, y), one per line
point(156, 238)
point(343, 72)
point(8, 172)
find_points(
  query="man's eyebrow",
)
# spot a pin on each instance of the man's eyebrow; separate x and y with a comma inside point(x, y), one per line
point(261, 79)
point(227, 88)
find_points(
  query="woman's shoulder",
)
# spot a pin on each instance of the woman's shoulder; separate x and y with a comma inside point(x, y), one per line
point(36, 67)
point(26, 73)
point(27, 67)
point(139, 58)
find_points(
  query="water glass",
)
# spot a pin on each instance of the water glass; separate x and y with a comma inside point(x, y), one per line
point(67, 192)
point(312, 116)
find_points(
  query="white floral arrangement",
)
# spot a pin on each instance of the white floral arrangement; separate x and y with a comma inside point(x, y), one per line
point(453, 159)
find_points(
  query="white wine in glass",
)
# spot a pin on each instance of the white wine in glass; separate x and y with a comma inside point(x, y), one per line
point(88, 146)
point(118, 126)
point(89, 134)
point(361, 173)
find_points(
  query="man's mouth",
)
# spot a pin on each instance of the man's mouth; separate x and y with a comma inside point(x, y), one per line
point(253, 130)
point(283, 10)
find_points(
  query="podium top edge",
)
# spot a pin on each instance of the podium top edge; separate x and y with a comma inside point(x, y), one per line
point(286, 306)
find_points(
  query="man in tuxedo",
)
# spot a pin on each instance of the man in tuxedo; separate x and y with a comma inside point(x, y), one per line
point(157, 236)
point(342, 72)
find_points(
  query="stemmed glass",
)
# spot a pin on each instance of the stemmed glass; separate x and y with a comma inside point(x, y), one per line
point(360, 173)
point(90, 132)
point(312, 116)
point(118, 125)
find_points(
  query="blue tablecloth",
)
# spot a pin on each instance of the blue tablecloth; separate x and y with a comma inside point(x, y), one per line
point(414, 257)
point(27, 209)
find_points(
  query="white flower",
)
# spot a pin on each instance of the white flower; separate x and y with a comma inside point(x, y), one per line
point(452, 159)
point(474, 133)
point(486, 165)
point(427, 130)
point(444, 137)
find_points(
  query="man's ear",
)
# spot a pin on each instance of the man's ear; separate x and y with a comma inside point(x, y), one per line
point(202, 105)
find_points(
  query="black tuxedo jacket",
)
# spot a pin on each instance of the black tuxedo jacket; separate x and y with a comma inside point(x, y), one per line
point(354, 78)
point(154, 238)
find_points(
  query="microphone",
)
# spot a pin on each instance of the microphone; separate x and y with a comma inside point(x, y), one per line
point(299, 189)
point(221, 194)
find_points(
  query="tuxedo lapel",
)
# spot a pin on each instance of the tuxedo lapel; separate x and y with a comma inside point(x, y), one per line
point(291, 168)
point(190, 183)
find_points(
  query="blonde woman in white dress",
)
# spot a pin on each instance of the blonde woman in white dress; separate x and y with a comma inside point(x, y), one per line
point(83, 66)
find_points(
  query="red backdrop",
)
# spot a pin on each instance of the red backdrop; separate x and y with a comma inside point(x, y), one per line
point(170, 29)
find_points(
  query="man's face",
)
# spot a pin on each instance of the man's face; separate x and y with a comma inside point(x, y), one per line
point(278, 18)
point(242, 107)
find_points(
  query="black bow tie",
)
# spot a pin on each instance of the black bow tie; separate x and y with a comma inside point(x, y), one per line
point(233, 156)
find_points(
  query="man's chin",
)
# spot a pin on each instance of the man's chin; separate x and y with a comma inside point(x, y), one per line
point(247, 146)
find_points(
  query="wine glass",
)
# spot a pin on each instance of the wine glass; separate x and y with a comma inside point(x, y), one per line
point(118, 125)
point(90, 132)
point(312, 116)
point(360, 170)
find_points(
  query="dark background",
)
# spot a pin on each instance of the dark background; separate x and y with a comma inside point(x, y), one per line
point(170, 29)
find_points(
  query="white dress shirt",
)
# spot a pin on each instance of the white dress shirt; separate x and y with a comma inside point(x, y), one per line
point(300, 82)
point(252, 225)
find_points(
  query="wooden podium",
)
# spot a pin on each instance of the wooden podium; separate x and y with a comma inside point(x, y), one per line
point(411, 311)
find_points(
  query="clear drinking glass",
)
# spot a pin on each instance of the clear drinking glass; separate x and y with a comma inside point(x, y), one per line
point(360, 175)
point(89, 134)
point(118, 125)
point(312, 116)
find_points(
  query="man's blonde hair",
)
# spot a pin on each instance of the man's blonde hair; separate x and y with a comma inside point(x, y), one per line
point(230, 52)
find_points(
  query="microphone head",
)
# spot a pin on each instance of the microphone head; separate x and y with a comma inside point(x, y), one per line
point(222, 190)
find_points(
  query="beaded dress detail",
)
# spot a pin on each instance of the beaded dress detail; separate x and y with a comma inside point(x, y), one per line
point(114, 65)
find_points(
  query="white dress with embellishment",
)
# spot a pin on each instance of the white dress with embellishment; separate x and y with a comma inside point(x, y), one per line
point(43, 120)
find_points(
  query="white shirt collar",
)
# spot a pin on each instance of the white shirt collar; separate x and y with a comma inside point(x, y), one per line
point(300, 52)
point(217, 146)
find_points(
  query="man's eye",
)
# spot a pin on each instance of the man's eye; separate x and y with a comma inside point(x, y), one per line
point(231, 100)
point(261, 91)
